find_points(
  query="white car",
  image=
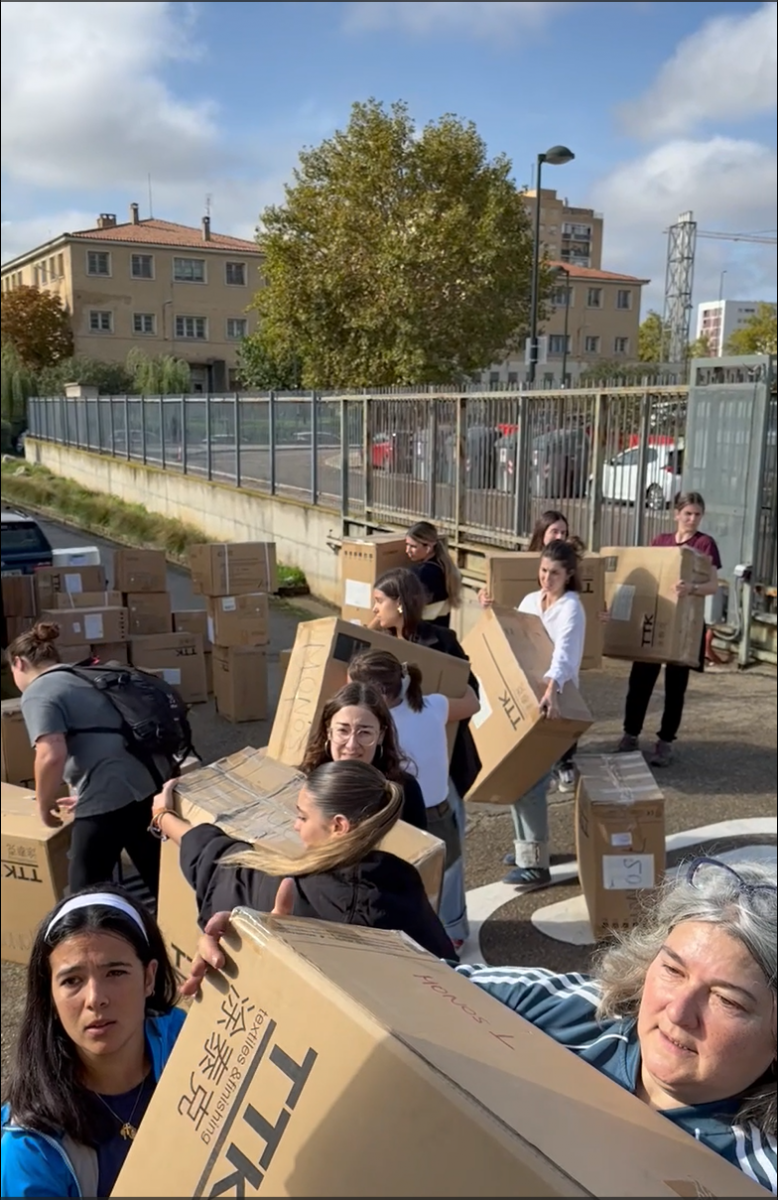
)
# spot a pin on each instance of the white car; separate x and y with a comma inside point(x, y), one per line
point(664, 467)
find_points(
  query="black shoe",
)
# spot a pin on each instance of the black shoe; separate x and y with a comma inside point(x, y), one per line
point(528, 879)
point(509, 860)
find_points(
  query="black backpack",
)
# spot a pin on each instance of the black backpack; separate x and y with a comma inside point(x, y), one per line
point(154, 717)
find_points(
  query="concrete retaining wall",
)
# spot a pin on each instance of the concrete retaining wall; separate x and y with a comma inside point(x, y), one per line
point(224, 513)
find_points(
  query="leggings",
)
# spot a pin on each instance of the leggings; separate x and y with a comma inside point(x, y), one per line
point(97, 843)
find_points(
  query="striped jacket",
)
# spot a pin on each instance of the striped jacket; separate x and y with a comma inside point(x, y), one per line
point(564, 1007)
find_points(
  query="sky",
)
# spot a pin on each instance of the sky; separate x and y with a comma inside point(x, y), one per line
point(668, 107)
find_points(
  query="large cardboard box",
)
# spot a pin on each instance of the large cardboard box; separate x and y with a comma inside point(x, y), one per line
point(233, 568)
point(15, 626)
point(239, 620)
point(80, 651)
point(240, 682)
point(35, 870)
point(253, 798)
point(88, 625)
point(362, 560)
point(50, 580)
point(284, 658)
point(88, 600)
point(620, 838)
point(193, 620)
point(512, 576)
point(318, 667)
point(648, 622)
point(139, 570)
point(148, 612)
point(181, 657)
point(509, 654)
point(337, 1061)
point(19, 596)
point(18, 756)
point(112, 652)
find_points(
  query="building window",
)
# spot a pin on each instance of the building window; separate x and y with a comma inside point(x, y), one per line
point(624, 298)
point(621, 345)
point(142, 266)
point(145, 323)
point(189, 270)
point(513, 378)
point(235, 274)
point(559, 297)
point(556, 343)
point(237, 328)
point(98, 262)
point(60, 266)
point(192, 328)
point(494, 379)
point(594, 298)
point(591, 345)
point(100, 320)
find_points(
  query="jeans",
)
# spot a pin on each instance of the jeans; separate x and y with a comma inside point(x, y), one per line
point(568, 758)
point(97, 842)
point(530, 825)
point(453, 906)
point(642, 681)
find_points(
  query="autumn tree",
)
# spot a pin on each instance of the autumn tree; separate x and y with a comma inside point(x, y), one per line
point(651, 338)
point(758, 335)
point(37, 325)
point(400, 255)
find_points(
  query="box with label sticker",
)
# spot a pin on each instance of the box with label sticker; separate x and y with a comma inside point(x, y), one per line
point(239, 620)
point(648, 621)
point(620, 838)
point(92, 625)
point(180, 657)
point(362, 561)
point(51, 580)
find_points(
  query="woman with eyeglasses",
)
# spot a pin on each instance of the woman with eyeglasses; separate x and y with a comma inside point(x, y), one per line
point(345, 809)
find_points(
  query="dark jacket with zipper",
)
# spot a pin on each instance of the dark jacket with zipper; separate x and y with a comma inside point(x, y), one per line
point(465, 761)
point(382, 891)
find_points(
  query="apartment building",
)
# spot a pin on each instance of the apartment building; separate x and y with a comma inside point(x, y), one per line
point(569, 234)
point(594, 316)
point(164, 287)
point(717, 320)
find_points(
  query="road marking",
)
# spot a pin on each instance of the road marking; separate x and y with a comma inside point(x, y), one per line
point(483, 902)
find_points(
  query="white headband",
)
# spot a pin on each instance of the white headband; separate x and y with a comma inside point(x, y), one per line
point(106, 899)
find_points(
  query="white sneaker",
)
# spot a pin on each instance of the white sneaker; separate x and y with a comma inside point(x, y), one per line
point(565, 779)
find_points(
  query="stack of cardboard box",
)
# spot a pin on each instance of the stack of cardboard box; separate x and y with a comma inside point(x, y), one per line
point(236, 580)
point(92, 620)
point(362, 561)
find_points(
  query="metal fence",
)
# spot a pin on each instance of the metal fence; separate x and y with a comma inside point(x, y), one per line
point(482, 466)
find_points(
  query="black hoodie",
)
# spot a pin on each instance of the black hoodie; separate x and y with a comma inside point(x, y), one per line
point(382, 891)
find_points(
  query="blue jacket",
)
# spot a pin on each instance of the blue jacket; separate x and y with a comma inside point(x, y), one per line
point(565, 1006)
point(40, 1164)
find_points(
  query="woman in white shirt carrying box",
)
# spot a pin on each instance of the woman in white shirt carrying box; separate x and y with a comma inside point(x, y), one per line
point(559, 607)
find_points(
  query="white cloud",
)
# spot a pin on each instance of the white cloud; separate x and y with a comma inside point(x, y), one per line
point(725, 71)
point(84, 100)
point(482, 19)
point(729, 185)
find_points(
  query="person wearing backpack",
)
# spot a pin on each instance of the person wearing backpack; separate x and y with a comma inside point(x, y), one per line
point(86, 739)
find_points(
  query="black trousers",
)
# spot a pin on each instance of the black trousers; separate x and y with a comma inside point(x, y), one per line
point(97, 843)
point(642, 681)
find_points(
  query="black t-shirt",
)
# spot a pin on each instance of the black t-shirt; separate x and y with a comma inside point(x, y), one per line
point(432, 578)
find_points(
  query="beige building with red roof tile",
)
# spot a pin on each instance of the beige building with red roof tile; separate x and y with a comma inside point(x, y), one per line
point(167, 288)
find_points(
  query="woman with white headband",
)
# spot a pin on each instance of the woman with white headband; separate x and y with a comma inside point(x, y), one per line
point(98, 1028)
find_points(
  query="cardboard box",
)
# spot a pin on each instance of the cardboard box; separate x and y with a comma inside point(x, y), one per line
point(75, 556)
point(239, 620)
point(339, 1061)
point(209, 671)
point(18, 756)
point(284, 657)
point(240, 682)
point(110, 652)
point(149, 612)
point(181, 657)
point(19, 596)
point(35, 870)
point(318, 667)
point(511, 577)
point(233, 568)
point(193, 620)
point(89, 625)
point(139, 570)
point(76, 653)
point(15, 626)
point(620, 838)
point(88, 600)
point(648, 622)
point(509, 654)
point(253, 798)
point(50, 580)
point(362, 561)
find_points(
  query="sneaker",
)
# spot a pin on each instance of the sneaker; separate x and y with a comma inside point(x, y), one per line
point(628, 744)
point(528, 879)
point(662, 754)
point(565, 779)
point(509, 860)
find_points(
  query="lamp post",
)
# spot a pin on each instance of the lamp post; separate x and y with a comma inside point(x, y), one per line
point(557, 156)
point(566, 272)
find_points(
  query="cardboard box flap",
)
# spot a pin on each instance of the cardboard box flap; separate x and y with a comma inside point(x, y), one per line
point(618, 778)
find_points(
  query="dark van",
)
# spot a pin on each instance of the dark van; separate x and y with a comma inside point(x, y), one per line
point(25, 546)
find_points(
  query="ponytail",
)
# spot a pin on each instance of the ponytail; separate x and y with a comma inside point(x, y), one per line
point(426, 533)
point(411, 687)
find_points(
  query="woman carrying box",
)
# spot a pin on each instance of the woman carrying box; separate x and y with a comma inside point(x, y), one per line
point(689, 511)
point(436, 571)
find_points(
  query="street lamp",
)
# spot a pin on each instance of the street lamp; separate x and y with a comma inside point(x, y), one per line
point(557, 156)
point(566, 272)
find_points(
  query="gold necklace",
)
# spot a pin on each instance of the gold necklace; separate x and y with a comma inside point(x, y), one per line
point(127, 1130)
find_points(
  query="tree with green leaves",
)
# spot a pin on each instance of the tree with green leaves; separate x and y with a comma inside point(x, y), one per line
point(37, 325)
point(400, 255)
point(163, 375)
point(264, 369)
point(759, 335)
point(651, 338)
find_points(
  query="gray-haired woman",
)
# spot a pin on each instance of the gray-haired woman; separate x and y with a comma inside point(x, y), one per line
point(681, 1011)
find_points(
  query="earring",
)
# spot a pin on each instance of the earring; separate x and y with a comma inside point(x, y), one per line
point(400, 609)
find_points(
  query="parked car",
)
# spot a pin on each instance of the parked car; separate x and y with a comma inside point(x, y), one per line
point(25, 546)
point(664, 468)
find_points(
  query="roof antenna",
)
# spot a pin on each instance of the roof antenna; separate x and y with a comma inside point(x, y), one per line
point(151, 198)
